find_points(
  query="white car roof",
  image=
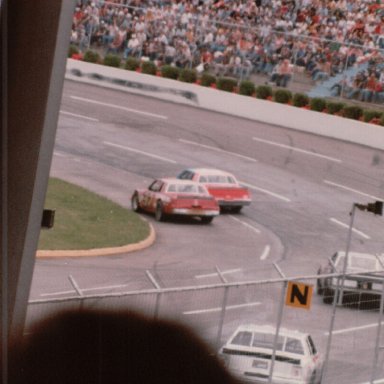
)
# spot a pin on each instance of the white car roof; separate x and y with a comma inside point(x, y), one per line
point(369, 257)
point(269, 329)
point(210, 171)
point(174, 180)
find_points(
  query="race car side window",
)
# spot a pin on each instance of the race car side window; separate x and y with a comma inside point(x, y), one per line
point(231, 180)
point(312, 347)
point(202, 190)
point(294, 346)
point(266, 340)
point(186, 175)
point(242, 338)
point(156, 186)
point(172, 188)
point(332, 262)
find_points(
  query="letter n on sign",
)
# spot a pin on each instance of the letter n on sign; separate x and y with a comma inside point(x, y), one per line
point(299, 295)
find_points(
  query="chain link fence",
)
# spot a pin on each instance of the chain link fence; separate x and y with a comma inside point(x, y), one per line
point(349, 335)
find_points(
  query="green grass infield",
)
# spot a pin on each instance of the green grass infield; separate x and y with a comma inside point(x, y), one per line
point(84, 220)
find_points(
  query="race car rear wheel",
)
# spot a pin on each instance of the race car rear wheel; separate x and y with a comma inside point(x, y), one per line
point(135, 203)
point(206, 219)
point(159, 214)
point(236, 209)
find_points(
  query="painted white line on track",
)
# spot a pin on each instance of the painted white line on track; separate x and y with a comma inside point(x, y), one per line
point(84, 290)
point(362, 234)
point(218, 309)
point(297, 149)
point(265, 253)
point(353, 329)
point(245, 224)
point(266, 191)
point(216, 274)
point(352, 190)
point(149, 114)
point(58, 293)
point(80, 116)
point(218, 150)
point(140, 152)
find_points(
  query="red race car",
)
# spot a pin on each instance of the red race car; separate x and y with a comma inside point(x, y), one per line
point(230, 195)
point(170, 196)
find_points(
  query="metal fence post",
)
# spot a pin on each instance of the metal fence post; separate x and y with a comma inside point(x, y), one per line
point(158, 295)
point(223, 308)
point(378, 334)
point(338, 295)
point(344, 76)
point(279, 320)
point(294, 54)
point(77, 289)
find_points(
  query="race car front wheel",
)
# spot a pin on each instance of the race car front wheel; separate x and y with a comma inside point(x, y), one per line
point(135, 203)
point(159, 214)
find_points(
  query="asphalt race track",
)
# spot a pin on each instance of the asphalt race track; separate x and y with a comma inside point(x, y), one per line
point(303, 187)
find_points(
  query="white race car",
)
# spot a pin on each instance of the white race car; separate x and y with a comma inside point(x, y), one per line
point(248, 355)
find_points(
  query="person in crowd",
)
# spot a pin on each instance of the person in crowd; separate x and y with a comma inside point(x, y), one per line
point(133, 47)
point(322, 71)
point(357, 86)
point(369, 89)
point(378, 96)
point(342, 87)
point(285, 73)
point(118, 40)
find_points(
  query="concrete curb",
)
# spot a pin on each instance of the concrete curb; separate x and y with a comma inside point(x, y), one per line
point(101, 251)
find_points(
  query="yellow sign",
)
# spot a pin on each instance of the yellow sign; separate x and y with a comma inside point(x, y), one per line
point(299, 295)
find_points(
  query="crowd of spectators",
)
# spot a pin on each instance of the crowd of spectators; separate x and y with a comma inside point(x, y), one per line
point(367, 85)
point(321, 38)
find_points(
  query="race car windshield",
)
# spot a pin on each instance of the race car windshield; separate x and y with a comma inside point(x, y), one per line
point(266, 340)
point(220, 179)
point(363, 263)
point(185, 188)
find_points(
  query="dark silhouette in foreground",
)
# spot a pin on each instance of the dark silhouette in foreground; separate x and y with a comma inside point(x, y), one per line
point(105, 347)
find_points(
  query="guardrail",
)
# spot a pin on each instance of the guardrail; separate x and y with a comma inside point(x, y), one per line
point(227, 103)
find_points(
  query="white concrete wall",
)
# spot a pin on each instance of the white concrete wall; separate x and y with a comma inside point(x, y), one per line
point(229, 103)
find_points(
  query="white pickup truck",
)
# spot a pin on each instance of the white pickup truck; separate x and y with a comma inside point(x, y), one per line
point(363, 282)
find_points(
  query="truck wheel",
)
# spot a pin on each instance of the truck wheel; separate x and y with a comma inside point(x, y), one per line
point(319, 286)
point(328, 296)
point(206, 219)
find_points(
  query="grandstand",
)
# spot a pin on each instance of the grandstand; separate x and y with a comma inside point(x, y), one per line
point(324, 42)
